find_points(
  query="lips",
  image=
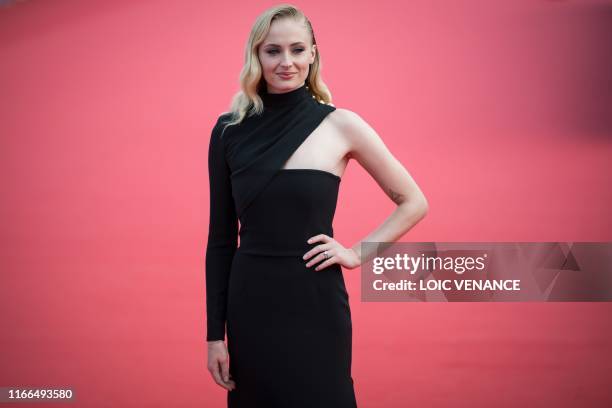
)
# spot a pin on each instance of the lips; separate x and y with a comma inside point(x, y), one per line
point(286, 74)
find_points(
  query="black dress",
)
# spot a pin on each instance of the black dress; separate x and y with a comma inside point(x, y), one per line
point(289, 330)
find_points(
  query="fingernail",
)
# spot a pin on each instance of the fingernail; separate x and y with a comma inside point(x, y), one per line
point(225, 379)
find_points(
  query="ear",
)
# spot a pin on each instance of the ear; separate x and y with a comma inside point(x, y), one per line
point(314, 53)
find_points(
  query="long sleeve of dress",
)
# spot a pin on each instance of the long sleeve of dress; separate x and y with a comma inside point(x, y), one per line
point(222, 236)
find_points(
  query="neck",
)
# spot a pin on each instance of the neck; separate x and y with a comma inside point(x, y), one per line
point(291, 97)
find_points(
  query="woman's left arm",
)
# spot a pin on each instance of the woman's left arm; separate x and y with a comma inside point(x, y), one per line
point(369, 150)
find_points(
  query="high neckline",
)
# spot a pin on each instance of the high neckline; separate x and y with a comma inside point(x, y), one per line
point(286, 98)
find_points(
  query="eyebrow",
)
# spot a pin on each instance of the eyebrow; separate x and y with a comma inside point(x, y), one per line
point(276, 45)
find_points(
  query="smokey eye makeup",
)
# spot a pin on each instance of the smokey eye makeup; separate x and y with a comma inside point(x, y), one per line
point(297, 50)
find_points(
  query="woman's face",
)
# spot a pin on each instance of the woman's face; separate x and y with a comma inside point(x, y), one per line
point(286, 49)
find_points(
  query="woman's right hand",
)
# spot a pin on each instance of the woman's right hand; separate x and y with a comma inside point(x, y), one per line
point(218, 364)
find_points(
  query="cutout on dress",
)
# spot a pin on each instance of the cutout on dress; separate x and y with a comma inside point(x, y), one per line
point(297, 150)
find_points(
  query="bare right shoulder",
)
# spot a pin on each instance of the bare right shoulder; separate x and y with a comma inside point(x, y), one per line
point(342, 116)
point(348, 124)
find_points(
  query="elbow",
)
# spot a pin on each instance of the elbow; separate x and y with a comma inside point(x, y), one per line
point(222, 241)
point(424, 206)
point(416, 207)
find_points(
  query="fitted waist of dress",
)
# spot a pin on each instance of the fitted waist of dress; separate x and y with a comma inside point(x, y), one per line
point(259, 245)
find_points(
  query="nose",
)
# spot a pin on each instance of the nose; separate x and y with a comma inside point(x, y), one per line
point(286, 61)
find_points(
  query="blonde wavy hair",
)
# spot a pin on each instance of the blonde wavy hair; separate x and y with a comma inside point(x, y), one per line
point(247, 101)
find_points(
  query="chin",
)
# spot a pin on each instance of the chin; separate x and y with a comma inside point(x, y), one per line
point(293, 82)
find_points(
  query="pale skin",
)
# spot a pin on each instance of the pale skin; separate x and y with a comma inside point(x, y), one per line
point(343, 135)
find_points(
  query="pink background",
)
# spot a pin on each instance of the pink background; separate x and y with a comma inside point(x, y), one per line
point(502, 112)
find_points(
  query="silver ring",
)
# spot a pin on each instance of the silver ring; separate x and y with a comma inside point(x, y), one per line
point(325, 255)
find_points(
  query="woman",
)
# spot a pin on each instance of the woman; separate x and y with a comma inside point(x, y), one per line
point(275, 164)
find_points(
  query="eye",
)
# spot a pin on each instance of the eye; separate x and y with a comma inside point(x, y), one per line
point(297, 50)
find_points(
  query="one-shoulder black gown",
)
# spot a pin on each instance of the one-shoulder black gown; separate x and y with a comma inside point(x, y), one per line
point(289, 330)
